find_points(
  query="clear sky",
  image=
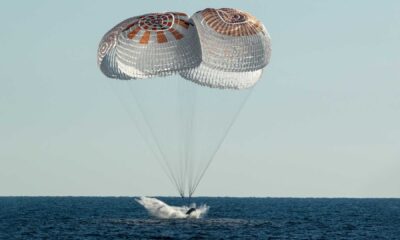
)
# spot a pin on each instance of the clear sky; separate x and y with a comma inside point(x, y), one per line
point(322, 122)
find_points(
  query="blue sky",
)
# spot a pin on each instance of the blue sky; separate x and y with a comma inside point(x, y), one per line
point(322, 122)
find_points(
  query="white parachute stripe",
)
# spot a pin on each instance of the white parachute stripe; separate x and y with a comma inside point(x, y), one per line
point(136, 39)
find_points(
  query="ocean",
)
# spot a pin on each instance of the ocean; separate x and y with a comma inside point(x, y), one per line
point(227, 218)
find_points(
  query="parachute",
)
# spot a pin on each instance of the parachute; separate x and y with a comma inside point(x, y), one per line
point(235, 48)
point(220, 55)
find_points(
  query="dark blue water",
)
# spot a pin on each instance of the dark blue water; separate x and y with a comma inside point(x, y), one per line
point(228, 218)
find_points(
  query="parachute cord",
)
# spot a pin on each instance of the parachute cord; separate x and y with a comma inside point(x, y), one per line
point(190, 140)
point(178, 186)
point(182, 131)
point(188, 104)
point(182, 194)
point(156, 156)
point(198, 179)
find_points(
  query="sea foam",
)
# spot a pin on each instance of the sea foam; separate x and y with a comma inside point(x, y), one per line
point(159, 209)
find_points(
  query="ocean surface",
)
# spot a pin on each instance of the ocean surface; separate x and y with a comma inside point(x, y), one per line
point(227, 218)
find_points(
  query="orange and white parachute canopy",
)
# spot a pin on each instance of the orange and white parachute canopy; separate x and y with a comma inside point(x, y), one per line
point(155, 44)
point(235, 48)
point(219, 48)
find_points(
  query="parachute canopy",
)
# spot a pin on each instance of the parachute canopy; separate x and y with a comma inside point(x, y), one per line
point(235, 48)
point(149, 45)
point(219, 48)
point(220, 53)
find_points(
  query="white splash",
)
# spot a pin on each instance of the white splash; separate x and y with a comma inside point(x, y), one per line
point(162, 210)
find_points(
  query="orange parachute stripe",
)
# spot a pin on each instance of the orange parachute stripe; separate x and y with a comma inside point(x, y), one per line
point(145, 38)
point(132, 34)
point(182, 23)
point(161, 38)
point(180, 14)
point(176, 34)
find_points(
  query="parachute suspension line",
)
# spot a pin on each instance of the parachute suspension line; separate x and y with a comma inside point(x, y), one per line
point(184, 98)
point(191, 138)
point(175, 182)
point(141, 133)
point(182, 130)
point(168, 166)
point(191, 152)
point(187, 91)
point(180, 143)
point(199, 177)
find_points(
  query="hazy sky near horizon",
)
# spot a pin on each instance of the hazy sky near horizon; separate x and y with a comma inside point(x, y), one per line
point(322, 122)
